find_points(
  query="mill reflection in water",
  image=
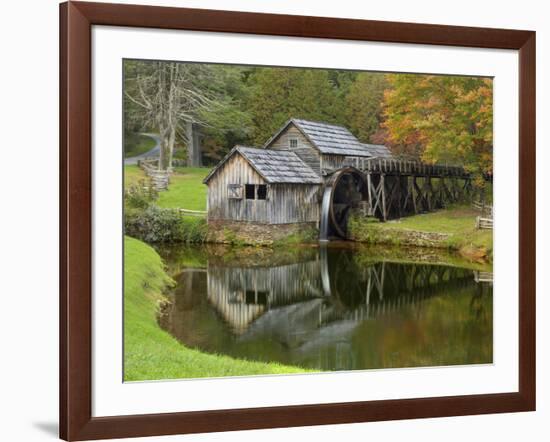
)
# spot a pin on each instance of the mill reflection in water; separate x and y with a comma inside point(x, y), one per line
point(333, 309)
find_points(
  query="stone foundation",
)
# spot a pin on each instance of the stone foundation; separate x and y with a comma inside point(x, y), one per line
point(246, 233)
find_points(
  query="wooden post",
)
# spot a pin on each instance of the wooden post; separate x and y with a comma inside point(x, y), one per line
point(383, 184)
point(429, 192)
point(399, 196)
point(413, 193)
point(371, 212)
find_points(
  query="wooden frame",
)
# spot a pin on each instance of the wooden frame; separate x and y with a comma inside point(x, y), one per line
point(76, 421)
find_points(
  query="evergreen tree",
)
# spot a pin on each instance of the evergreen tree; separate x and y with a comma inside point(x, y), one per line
point(364, 104)
point(283, 93)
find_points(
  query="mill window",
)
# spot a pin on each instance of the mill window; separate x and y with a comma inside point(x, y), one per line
point(235, 191)
point(261, 192)
point(249, 191)
point(293, 142)
point(255, 191)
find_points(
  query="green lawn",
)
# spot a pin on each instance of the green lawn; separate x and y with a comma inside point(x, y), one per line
point(151, 353)
point(136, 144)
point(186, 189)
point(133, 175)
point(455, 226)
point(454, 220)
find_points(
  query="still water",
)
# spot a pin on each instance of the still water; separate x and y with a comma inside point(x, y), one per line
point(328, 308)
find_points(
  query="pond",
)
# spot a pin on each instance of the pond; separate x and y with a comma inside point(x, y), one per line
point(332, 307)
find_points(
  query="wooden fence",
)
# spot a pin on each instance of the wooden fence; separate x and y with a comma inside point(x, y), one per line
point(485, 209)
point(483, 276)
point(484, 223)
point(196, 213)
point(485, 220)
point(159, 178)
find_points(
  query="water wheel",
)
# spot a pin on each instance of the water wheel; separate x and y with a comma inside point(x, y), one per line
point(348, 188)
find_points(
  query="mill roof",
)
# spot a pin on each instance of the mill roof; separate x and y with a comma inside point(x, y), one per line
point(332, 139)
point(274, 166)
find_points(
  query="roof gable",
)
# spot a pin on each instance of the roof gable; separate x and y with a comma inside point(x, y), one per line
point(331, 139)
point(273, 166)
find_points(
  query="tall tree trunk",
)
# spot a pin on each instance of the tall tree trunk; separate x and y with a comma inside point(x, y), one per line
point(189, 136)
point(193, 145)
point(164, 153)
point(163, 120)
point(197, 145)
point(173, 105)
point(171, 143)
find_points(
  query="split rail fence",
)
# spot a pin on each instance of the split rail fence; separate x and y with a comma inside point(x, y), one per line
point(159, 178)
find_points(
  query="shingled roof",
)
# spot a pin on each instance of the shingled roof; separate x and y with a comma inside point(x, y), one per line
point(378, 150)
point(332, 139)
point(273, 165)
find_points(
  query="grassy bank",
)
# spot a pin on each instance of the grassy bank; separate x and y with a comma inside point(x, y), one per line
point(452, 229)
point(137, 144)
point(150, 352)
point(368, 254)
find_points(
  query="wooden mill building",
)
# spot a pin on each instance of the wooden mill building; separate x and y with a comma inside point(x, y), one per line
point(313, 172)
point(281, 182)
point(263, 186)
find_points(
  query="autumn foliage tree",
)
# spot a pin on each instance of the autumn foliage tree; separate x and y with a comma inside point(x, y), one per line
point(442, 119)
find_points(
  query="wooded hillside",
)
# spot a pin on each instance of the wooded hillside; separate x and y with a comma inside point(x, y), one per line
point(438, 119)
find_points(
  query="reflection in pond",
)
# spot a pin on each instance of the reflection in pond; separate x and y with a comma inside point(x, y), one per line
point(330, 308)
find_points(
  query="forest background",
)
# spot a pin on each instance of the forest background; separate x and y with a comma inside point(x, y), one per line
point(435, 119)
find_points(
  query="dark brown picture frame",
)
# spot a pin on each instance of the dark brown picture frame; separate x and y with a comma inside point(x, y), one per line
point(76, 21)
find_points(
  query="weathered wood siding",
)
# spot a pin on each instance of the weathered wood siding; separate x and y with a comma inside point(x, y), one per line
point(332, 162)
point(307, 153)
point(286, 203)
point(294, 203)
point(235, 171)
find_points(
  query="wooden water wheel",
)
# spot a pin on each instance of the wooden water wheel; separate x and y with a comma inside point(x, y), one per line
point(349, 188)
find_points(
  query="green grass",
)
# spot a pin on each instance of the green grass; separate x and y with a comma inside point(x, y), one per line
point(454, 220)
point(133, 175)
point(454, 229)
point(186, 189)
point(136, 144)
point(151, 353)
point(304, 236)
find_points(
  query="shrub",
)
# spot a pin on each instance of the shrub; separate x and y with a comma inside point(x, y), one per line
point(156, 225)
point(140, 196)
point(193, 229)
point(303, 236)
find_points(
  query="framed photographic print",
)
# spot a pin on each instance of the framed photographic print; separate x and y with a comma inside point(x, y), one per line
point(273, 221)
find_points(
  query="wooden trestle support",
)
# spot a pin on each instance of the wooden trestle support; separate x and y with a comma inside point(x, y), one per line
point(398, 188)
